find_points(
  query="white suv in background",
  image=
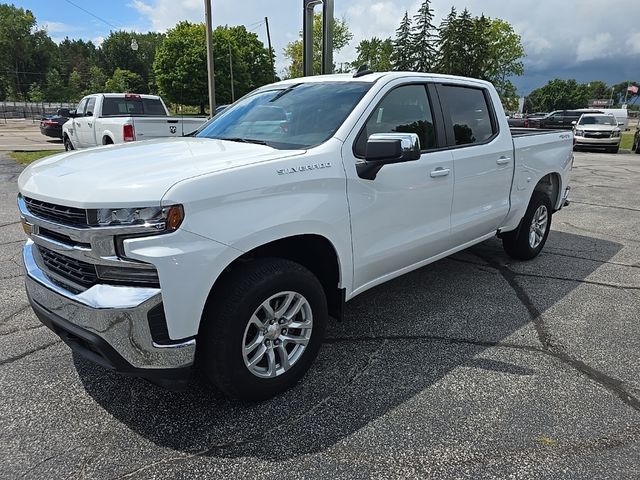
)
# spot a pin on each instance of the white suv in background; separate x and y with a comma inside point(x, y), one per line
point(597, 131)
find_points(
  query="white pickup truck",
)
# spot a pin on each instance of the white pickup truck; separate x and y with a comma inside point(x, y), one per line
point(108, 118)
point(229, 250)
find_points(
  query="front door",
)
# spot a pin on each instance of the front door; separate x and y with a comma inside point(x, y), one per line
point(85, 124)
point(75, 133)
point(402, 217)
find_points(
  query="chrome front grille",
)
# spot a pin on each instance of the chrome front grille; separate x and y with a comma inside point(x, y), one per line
point(57, 213)
point(77, 271)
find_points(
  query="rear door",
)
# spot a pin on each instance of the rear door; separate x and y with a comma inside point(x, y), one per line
point(483, 162)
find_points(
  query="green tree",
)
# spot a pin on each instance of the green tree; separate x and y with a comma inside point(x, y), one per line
point(97, 79)
point(181, 65)
point(78, 56)
point(293, 50)
point(558, 95)
point(55, 90)
point(35, 93)
point(458, 39)
point(423, 39)
point(116, 52)
point(124, 81)
point(504, 53)
point(254, 53)
point(375, 53)
point(75, 85)
point(447, 48)
point(402, 55)
point(26, 51)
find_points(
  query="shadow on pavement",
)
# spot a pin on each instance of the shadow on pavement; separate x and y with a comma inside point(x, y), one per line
point(396, 341)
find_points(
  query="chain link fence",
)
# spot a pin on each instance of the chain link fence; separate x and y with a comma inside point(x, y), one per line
point(30, 110)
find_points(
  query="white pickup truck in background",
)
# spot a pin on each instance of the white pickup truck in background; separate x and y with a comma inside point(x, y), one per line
point(108, 118)
point(231, 248)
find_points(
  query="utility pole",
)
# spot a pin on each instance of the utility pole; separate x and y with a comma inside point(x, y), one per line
point(212, 82)
point(233, 96)
point(266, 21)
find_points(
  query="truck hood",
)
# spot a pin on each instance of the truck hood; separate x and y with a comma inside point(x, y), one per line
point(136, 174)
point(598, 128)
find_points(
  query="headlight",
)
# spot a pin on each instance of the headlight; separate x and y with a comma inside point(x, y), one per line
point(615, 133)
point(159, 218)
point(579, 133)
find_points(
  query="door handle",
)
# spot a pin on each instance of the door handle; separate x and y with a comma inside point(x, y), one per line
point(440, 172)
point(503, 160)
point(89, 124)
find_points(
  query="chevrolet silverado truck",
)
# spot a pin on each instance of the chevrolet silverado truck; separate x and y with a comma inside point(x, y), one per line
point(111, 118)
point(230, 249)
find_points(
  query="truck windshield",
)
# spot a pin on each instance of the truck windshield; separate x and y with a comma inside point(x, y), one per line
point(598, 120)
point(299, 116)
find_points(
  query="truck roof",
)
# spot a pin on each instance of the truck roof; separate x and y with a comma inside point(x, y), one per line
point(375, 76)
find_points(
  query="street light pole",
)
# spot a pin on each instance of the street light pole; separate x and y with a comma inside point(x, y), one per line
point(212, 82)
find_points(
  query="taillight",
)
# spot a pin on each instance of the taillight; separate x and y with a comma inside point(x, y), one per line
point(132, 96)
point(48, 123)
point(526, 124)
point(128, 133)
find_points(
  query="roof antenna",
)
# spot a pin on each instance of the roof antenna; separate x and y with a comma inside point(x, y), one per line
point(362, 70)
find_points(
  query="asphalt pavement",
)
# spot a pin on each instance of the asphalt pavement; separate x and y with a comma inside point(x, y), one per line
point(476, 366)
point(24, 135)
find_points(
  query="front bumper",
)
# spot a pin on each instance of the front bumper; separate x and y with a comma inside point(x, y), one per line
point(597, 142)
point(109, 324)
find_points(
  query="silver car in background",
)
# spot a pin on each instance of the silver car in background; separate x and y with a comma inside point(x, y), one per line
point(597, 131)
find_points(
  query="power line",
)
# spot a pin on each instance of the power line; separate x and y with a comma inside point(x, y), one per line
point(92, 14)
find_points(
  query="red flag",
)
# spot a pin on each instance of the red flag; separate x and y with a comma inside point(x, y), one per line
point(632, 89)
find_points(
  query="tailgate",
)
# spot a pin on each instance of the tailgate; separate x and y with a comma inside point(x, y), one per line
point(157, 127)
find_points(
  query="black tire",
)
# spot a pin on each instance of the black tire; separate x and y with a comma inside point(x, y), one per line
point(107, 141)
point(68, 146)
point(227, 315)
point(516, 243)
point(614, 150)
point(636, 147)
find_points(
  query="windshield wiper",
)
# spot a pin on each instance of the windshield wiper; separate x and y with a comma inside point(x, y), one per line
point(244, 140)
point(284, 92)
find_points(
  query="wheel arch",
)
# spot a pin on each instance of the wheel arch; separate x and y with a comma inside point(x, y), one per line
point(550, 184)
point(313, 251)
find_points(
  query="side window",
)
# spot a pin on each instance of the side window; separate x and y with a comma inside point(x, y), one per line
point(404, 110)
point(80, 107)
point(470, 114)
point(91, 105)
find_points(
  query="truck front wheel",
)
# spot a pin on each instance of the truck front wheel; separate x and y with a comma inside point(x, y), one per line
point(529, 238)
point(262, 328)
point(68, 146)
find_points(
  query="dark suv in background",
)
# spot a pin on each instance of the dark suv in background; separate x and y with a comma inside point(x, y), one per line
point(559, 119)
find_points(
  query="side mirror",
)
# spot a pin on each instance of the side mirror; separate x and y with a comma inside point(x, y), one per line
point(386, 148)
point(621, 124)
point(73, 113)
point(88, 114)
point(574, 123)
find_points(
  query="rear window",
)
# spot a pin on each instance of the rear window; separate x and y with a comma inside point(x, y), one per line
point(470, 114)
point(136, 107)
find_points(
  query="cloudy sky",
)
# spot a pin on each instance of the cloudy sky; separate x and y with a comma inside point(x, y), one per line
point(582, 39)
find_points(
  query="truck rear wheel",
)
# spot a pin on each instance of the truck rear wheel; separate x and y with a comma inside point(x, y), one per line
point(529, 238)
point(263, 329)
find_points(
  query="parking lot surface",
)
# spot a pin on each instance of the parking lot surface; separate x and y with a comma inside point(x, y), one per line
point(25, 135)
point(476, 366)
